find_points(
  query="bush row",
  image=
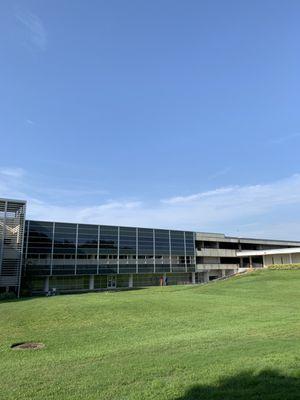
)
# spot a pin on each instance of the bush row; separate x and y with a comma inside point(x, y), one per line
point(7, 296)
point(284, 266)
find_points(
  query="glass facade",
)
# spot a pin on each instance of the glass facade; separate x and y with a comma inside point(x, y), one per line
point(67, 249)
point(38, 247)
point(87, 249)
point(73, 257)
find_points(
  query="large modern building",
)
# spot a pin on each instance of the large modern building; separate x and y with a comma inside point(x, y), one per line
point(38, 256)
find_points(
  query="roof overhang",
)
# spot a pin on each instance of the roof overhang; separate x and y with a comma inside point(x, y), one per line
point(245, 253)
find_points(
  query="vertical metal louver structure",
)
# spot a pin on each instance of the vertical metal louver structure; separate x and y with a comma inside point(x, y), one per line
point(12, 223)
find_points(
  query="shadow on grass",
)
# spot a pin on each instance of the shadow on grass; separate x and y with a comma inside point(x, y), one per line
point(266, 385)
point(20, 299)
point(70, 292)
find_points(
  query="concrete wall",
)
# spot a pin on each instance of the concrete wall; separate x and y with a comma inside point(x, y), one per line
point(296, 258)
point(216, 253)
point(282, 259)
point(211, 260)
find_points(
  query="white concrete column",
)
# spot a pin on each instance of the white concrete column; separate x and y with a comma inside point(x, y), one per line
point(250, 262)
point(130, 282)
point(193, 278)
point(46, 284)
point(92, 282)
point(206, 276)
point(223, 273)
point(291, 258)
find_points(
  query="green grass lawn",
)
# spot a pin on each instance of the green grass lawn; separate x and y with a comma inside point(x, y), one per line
point(233, 339)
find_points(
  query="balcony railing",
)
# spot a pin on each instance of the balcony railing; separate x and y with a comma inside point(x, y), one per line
point(205, 267)
point(47, 262)
point(216, 253)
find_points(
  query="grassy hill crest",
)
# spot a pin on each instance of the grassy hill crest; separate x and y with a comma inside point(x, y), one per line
point(233, 339)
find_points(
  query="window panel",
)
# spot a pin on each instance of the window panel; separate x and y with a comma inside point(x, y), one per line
point(145, 241)
point(127, 268)
point(146, 268)
point(189, 243)
point(64, 243)
point(127, 240)
point(86, 269)
point(162, 246)
point(39, 237)
point(177, 243)
point(108, 240)
point(87, 240)
point(162, 268)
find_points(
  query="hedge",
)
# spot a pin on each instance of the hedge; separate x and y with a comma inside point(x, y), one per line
point(284, 266)
point(7, 296)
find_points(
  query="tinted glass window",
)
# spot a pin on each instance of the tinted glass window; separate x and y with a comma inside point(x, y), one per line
point(127, 240)
point(87, 239)
point(64, 238)
point(108, 239)
point(39, 237)
point(145, 241)
point(177, 243)
point(189, 243)
point(162, 246)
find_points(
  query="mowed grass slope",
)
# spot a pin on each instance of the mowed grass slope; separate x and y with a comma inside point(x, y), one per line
point(234, 339)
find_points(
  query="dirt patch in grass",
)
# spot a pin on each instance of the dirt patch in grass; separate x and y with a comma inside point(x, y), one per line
point(27, 346)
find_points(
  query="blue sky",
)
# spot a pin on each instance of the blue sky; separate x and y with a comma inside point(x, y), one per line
point(181, 114)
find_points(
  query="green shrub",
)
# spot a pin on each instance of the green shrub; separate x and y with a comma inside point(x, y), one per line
point(7, 296)
point(284, 266)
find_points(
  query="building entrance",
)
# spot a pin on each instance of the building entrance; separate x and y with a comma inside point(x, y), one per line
point(111, 282)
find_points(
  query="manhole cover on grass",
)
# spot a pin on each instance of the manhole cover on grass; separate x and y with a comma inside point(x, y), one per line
point(27, 346)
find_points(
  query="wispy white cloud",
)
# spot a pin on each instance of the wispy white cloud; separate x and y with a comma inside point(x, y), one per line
point(30, 122)
point(247, 210)
point(280, 230)
point(17, 183)
point(286, 138)
point(34, 26)
point(76, 192)
point(11, 179)
point(232, 208)
point(12, 172)
point(221, 172)
point(198, 196)
point(106, 213)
